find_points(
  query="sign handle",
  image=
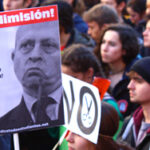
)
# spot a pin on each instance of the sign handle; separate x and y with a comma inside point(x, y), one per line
point(60, 140)
point(16, 141)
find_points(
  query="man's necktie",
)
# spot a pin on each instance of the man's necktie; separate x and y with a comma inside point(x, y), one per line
point(39, 109)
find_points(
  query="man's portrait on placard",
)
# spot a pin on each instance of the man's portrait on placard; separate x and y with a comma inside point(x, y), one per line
point(32, 66)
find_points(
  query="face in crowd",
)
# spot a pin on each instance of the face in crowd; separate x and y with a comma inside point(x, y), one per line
point(114, 3)
point(138, 89)
point(111, 48)
point(94, 30)
point(37, 57)
point(76, 142)
point(135, 17)
point(16, 4)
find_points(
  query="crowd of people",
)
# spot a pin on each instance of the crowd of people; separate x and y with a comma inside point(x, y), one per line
point(108, 39)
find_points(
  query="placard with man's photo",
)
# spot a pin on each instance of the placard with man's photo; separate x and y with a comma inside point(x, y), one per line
point(30, 70)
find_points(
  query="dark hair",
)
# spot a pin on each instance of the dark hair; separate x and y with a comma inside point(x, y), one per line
point(65, 12)
point(138, 6)
point(108, 127)
point(107, 143)
point(142, 68)
point(79, 7)
point(109, 117)
point(129, 41)
point(102, 14)
point(90, 3)
point(120, 1)
point(80, 59)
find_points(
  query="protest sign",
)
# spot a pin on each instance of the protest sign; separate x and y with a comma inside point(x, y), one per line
point(82, 108)
point(30, 72)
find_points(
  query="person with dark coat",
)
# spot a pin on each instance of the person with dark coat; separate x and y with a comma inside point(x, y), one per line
point(97, 20)
point(108, 127)
point(68, 33)
point(5, 142)
point(136, 128)
point(117, 51)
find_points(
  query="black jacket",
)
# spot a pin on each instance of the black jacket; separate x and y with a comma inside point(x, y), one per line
point(131, 127)
point(121, 93)
point(19, 119)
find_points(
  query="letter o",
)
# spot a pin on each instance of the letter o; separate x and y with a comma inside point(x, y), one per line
point(86, 130)
point(38, 15)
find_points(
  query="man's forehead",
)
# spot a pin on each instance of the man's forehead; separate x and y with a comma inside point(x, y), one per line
point(39, 31)
point(92, 23)
point(40, 27)
point(134, 74)
point(35, 27)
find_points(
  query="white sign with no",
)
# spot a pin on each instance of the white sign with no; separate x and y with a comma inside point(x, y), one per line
point(82, 108)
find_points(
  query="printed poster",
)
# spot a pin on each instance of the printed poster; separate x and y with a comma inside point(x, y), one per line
point(30, 70)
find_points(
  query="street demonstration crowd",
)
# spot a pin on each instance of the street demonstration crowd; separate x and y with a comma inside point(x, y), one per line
point(104, 40)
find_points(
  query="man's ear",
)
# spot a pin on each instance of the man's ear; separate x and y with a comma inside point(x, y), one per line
point(12, 55)
point(89, 75)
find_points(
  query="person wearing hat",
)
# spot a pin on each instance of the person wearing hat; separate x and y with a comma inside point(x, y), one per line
point(136, 128)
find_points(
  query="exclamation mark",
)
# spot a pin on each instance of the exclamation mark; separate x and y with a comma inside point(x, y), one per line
point(52, 12)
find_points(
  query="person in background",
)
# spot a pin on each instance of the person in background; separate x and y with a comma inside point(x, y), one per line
point(136, 128)
point(18, 4)
point(78, 8)
point(5, 142)
point(119, 5)
point(97, 20)
point(79, 62)
point(68, 34)
point(117, 51)
point(108, 126)
point(90, 3)
point(147, 7)
point(145, 51)
point(1, 5)
point(136, 10)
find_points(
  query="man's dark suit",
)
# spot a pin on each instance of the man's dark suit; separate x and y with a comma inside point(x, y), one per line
point(20, 117)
